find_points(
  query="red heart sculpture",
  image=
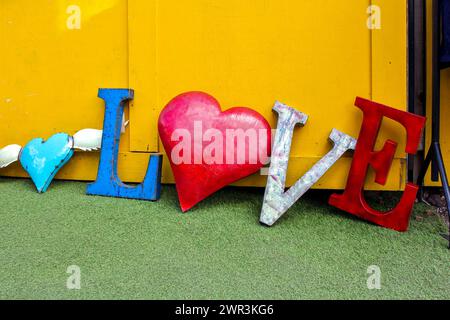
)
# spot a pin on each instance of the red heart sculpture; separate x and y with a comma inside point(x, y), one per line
point(209, 149)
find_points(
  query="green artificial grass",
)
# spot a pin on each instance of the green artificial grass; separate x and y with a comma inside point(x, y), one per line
point(141, 250)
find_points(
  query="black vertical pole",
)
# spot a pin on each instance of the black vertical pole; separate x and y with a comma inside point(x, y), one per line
point(436, 72)
point(412, 55)
point(412, 73)
point(438, 165)
point(434, 156)
point(436, 78)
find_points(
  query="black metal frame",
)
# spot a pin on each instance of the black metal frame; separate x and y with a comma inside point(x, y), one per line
point(416, 75)
point(434, 156)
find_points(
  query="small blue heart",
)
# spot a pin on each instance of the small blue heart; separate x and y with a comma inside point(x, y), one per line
point(43, 159)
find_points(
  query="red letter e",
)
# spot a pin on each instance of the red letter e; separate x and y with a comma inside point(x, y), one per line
point(353, 200)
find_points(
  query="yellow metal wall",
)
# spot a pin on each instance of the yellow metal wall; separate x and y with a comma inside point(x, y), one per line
point(315, 55)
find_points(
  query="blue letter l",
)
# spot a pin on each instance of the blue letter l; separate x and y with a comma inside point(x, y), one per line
point(108, 183)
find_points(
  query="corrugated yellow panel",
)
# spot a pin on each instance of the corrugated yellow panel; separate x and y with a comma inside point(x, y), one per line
point(142, 41)
point(315, 55)
point(51, 73)
point(389, 73)
point(55, 55)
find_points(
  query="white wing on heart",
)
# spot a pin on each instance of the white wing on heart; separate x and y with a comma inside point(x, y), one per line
point(91, 139)
point(88, 140)
point(9, 155)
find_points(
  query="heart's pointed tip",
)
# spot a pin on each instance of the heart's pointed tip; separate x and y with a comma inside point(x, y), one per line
point(185, 208)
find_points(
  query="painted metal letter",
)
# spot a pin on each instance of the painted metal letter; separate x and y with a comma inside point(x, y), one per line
point(353, 200)
point(108, 183)
point(276, 201)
